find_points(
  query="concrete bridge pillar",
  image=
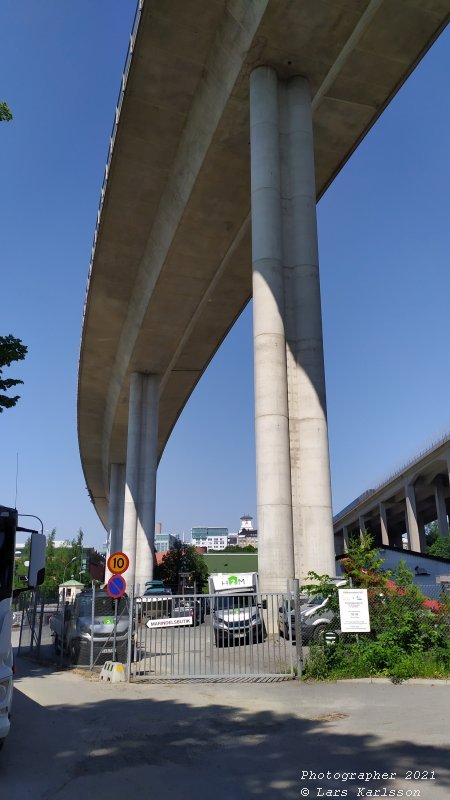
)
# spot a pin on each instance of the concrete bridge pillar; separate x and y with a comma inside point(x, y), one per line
point(345, 538)
point(140, 478)
point(422, 534)
point(441, 509)
point(383, 524)
point(361, 526)
point(116, 505)
point(273, 469)
point(293, 475)
point(411, 519)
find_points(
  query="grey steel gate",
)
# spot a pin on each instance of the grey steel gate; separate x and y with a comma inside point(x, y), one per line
point(213, 637)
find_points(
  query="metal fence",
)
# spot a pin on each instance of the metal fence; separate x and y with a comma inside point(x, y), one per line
point(31, 629)
point(211, 637)
point(239, 636)
point(84, 632)
point(408, 633)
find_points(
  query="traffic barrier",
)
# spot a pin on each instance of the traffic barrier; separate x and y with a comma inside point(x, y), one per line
point(113, 671)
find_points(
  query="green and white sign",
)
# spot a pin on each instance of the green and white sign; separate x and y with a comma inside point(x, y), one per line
point(238, 581)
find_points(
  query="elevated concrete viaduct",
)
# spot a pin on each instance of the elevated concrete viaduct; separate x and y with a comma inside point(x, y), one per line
point(401, 506)
point(229, 111)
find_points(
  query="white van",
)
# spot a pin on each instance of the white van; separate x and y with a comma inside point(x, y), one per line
point(236, 609)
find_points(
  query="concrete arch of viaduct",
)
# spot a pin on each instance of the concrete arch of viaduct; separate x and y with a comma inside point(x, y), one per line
point(171, 268)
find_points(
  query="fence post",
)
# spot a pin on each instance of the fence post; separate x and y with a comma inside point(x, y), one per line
point(33, 624)
point(91, 653)
point(41, 619)
point(63, 627)
point(298, 628)
point(130, 629)
point(115, 630)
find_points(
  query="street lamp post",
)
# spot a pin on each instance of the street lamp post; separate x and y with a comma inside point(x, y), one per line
point(67, 565)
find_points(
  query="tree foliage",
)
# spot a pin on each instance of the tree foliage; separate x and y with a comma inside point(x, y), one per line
point(182, 558)
point(60, 563)
point(11, 349)
point(431, 534)
point(409, 632)
point(5, 113)
point(440, 547)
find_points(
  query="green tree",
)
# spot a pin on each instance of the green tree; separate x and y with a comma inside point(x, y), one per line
point(431, 533)
point(182, 558)
point(20, 570)
point(11, 349)
point(62, 563)
point(5, 113)
point(440, 547)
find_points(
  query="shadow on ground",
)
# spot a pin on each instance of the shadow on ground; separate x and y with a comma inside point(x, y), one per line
point(167, 748)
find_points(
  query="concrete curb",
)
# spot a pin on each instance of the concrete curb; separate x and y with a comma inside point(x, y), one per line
point(408, 681)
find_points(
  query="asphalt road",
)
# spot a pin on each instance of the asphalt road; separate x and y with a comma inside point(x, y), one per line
point(74, 737)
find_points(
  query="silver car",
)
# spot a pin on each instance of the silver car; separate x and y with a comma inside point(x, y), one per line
point(237, 619)
point(316, 618)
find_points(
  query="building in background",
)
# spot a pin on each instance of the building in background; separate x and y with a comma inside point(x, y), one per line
point(211, 538)
point(92, 564)
point(69, 590)
point(164, 542)
point(247, 533)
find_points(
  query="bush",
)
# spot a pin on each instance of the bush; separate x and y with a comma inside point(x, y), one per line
point(410, 636)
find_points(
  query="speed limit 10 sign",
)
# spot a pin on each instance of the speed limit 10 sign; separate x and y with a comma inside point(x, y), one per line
point(118, 563)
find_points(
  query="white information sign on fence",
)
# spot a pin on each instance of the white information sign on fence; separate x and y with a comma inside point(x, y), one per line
point(354, 610)
point(169, 622)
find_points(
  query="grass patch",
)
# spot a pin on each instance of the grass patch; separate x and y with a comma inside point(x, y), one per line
point(366, 659)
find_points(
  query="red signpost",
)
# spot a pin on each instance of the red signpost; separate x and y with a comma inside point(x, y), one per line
point(116, 586)
point(118, 563)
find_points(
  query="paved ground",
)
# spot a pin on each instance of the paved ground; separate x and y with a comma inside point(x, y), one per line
point(75, 738)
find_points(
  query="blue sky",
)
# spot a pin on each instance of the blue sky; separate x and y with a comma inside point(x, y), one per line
point(384, 249)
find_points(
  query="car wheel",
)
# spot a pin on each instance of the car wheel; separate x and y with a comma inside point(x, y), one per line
point(218, 639)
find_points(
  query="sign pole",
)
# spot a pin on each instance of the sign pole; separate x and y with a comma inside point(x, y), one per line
point(115, 630)
point(298, 629)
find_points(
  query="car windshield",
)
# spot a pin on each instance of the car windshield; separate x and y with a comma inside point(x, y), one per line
point(234, 601)
point(104, 606)
point(314, 600)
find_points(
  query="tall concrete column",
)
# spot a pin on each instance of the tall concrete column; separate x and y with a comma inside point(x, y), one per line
point(310, 467)
point(411, 519)
point(383, 524)
point(116, 506)
point(273, 476)
point(447, 459)
point(361, 526)
point(345, 538)
point(441, 510)
point(422, 535)
point(140, 488)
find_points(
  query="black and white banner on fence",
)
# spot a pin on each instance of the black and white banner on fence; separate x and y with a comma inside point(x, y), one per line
point(168, 622)
point(354, 610)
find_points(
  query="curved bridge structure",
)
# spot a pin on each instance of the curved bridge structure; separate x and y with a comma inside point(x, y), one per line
point(234, 116)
